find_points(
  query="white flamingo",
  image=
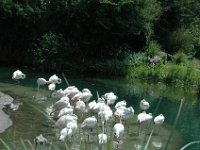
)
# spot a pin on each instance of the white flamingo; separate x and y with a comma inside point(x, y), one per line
point(58, 94)
point(144, 105)
point(92, 104)
point(89, 123)
point(72, 125)
point(120, 104)
point(54, 79)
point(102, 138)
point(60, 104)
point(159, 120)
point(70, 91)
point(64, 120)
point(18, 75)
point(119, 112)
point(110, 97)
point(128, 113)
point(80, 106)
point(86, 95)
point(77, 96)
point(41, 81)
point(142, 118)
point(65, 111)
point(108, 113)
point(118, 131)
point(51, 88)
point(65, 132)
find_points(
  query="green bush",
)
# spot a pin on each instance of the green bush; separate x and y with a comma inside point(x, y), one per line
point(180, 58)
point(182, 40)
point(136, 59)
point(153, 48)
point(112, 67)
point(50, 52)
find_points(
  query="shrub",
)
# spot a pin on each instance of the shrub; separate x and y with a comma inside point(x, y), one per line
point(112, 67)
point(51, 48)
point(153, 48)
point(182, 40)
point(136, 59)
point(180, 58)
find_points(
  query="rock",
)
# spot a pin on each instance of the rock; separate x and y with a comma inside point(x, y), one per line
point(5, 99)
point(5, 120)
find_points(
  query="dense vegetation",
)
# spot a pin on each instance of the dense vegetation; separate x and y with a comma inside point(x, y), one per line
point(157, 39)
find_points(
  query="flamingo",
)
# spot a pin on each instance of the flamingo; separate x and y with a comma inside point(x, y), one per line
point(128, 113)
point(51, 88)
point(158, 120)
point(63, 120)
point(80, 105)
point(144, 105)
point(108, 113)
point(143, 117)
point(105, 112)
point(92, 104)
point(65, 132)
point(118, 130)
point(76, 96)
point(102, 138)
point(40, 140)
point(86, 95)
point(64, 111)
point(60, 104)
point(69, 130)
point(58, 94)
point(119, 111)
point(89, 123)
point(121, 104)
point(110, 97)
point(18, 75)
point(41, 81)
point(54, 79)
point(71, 91)
point(156, 142)
point(72, 125)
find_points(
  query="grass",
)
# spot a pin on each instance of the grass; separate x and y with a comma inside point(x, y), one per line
point(174, 73)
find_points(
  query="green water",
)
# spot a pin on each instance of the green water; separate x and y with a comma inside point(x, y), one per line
point(29, 120)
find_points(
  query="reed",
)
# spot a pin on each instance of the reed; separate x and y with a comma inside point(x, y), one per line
point(174, 125)
point(5, 145)
point(189, 144)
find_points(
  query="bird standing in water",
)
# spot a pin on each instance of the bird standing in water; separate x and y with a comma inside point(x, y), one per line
point(18, 75)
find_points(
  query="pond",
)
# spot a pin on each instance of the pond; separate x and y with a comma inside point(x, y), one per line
point(30, 119)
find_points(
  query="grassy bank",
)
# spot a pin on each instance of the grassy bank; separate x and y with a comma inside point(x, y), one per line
point(169, 73)
point(178, 70)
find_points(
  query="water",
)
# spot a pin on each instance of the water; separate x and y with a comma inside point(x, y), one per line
point(29, 120)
